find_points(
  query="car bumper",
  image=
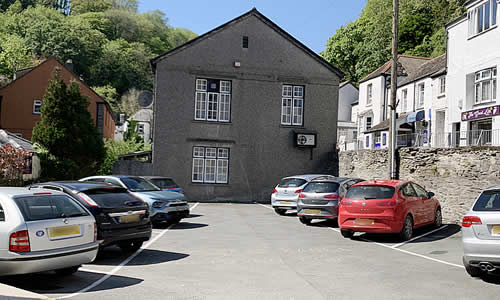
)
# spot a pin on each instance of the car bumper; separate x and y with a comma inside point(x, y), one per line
point(173, 215)
point(113, 236)
point(477, 250)
point(317, 211)
point(284, 203)
point(379, 225)
point(41, 261)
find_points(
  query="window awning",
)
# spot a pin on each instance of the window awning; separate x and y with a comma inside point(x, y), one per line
point(415, 116)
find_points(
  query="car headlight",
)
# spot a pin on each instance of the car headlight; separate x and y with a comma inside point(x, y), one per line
point(158, 204)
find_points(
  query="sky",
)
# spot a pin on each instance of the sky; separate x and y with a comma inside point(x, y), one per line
point(310, 21)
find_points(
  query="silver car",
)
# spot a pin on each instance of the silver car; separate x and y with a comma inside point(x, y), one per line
point(285, 194)
point(320, 198)
point(481, 234)
point(43, 230)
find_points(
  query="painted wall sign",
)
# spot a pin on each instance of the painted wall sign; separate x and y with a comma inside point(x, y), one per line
point(481, 113)
point(305, 139)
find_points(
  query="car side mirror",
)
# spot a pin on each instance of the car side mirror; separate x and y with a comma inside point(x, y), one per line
point(430, 195)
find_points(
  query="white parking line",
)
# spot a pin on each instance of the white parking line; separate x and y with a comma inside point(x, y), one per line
point(266, 206)
point(418, 237)
point(121, 265)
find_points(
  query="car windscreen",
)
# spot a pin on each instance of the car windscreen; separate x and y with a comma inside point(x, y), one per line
point(368, 192)
point(321, 187)
point(137, 184)
point(2, 214)
point(291, 182)
point(113, 197)
point(488, 201)
point(164, 183)
point(44, 207)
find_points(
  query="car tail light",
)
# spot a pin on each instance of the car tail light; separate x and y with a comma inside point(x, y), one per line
point(302, 196)
point(87, 199)
point(44, 193)
point(95, 232)
point(346, 202)
point(19, 242)
point(298, 191)
point(387, 203)
point(275, 191)
point(468, 221)
point(331, 196)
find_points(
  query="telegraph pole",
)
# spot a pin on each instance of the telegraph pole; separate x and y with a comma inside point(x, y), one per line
point(394, 78)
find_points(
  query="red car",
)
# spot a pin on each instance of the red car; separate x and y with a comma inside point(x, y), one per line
point(387, 206)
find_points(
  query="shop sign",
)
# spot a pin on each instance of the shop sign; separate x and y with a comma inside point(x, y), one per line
point(481, 113)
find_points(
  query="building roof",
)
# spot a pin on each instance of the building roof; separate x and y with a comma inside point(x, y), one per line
point(264, 19)
point(384, 125)
point(345, 83)
point(406, 65)
point(7, 138)
point(436, 66)
point(143, 115)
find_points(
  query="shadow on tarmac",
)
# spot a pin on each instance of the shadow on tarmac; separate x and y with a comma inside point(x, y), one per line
point(187, 225)
point(449, 230)
point(193, 216)
point(113, 256)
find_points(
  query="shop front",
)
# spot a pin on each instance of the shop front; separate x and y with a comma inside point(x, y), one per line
point(480, 127)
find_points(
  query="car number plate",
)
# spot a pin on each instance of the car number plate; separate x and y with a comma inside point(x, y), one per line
point(64, 231)
point(130, 219)
point(495, 229)
point(364, 222)
point(313, 211)
point(285, 202)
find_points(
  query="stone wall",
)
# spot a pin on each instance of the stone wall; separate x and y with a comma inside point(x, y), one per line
point(455, 175)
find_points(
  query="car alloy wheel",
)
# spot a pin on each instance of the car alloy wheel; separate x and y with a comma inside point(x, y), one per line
point(280, 211)
point(305, 220)
point(347, 233)
point(407, 231)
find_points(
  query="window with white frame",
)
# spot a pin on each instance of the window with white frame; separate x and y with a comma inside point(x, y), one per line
point(212, 100)
point(420, 95)
point(140, 129)
point(369, 94)
point(368, 123)
point(404, 100)
point(485, 85)
point(442, 85)
point(482, 17)
point(210, 165)
point(37, 107)
point(292, 105)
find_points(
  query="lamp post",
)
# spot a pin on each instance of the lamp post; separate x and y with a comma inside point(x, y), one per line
point(394, 77)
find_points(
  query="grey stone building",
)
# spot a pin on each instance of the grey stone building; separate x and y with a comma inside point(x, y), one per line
point(229, 106)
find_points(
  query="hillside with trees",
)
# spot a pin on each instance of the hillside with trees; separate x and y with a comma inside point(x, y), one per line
point(109, 41)
point(365, 44)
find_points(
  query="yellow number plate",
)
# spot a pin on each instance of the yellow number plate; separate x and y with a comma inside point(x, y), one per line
point(313, 211)
point(56, 232)
point(285, 202)
point(495, 229)
point(364, 222)
point(130, 219)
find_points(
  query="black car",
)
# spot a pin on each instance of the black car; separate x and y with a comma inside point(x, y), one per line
point(121, 218)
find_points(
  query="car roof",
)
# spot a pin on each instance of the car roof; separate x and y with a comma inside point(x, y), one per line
point(79, 185)
point(26, 191)
point(307, 177)
point(394, 183)
point(334, 179)
point(156, 177)
point(493, 187)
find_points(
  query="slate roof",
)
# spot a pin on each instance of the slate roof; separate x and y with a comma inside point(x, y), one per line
point(342, 84)
point(260, 16)
point(406, 65)
point(432, 68)
point(7, 138)
point(384, 125)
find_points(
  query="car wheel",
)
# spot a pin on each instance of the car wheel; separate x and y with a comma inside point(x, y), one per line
point(67, 271)
point(347, 233)
point(305, 220)
point(438, 218)
point(407, 231)
point(280, 211)
point(130, 246)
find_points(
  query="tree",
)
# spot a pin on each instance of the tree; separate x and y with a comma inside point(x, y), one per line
point(13, 162)
point(109, 94)
point(85, 6)
point(116, 148)
point(67, 132)
point(129, 103)
point(14, 54)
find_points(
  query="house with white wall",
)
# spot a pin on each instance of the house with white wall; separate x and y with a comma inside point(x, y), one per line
point(346, 126)
point(373, 104)
point(473, 57)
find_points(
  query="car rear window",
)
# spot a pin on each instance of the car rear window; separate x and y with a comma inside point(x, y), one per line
point(113, 197)
point(2, 214)
point(321, 187)
point(488, 201)
point(36, 208)
point(367, 192)
point(164, 183)
point(291, 182)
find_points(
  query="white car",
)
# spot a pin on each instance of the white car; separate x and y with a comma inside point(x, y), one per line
point(286, 193)
point(43, 230)
point(481, 234)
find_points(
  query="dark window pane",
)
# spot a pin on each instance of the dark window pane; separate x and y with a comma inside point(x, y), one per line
point(245, 42)
point(2, 215)
point(137, 184)
point(113, 197)
point(291, 182)
point(368, 192)
point(35, 208)
point(164, 183)
point(489, 200)
point(321, 187)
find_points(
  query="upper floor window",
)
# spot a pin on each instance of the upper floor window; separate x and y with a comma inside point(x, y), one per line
point(292, 105)
point(368, 123)
point(482, 17)
point(404, 100)
point(442, 85)
point(37, 107)
point(210, 165)
point(420, 95)
point(140, 129)
point(212, 100)
point(245, 42)
point(369, 92)
point(485, 85)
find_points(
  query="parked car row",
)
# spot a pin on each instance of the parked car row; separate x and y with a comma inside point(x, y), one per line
point(62, 225)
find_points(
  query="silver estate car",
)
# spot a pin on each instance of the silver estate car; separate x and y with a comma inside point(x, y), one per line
point(320, 198)
point(481, 234)
point(43, 230)
point(285, 194)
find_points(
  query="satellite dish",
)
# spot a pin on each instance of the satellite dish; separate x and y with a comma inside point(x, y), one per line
point(145, 99)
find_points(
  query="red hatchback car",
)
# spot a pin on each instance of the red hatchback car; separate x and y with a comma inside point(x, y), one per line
point(387, 206)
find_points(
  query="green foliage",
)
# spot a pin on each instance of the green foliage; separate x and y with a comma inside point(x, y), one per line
point(67, 132)
point(109, 93)
point(114, 149)
point(14, 54)
point(85, 6)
